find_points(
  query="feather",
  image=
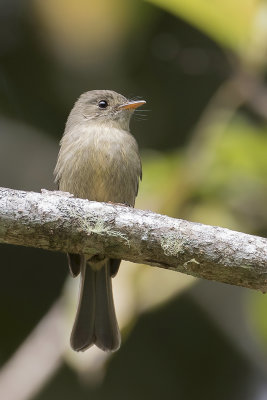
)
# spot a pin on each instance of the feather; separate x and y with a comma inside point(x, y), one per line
point(95, 321)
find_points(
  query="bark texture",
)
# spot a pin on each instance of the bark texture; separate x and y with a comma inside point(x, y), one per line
point(59, 222)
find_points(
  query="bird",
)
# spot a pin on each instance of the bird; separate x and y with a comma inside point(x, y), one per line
point(98, 160)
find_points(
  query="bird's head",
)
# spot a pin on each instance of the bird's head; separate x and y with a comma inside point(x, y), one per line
point(104, 107)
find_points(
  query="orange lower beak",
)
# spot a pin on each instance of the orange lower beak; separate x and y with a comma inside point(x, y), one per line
point(131, 105)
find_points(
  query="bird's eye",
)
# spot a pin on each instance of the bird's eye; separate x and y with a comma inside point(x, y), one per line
point(103, 104)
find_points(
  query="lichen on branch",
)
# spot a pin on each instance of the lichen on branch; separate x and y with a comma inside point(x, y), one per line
point(59, 222)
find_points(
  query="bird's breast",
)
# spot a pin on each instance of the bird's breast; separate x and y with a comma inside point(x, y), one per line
point(100, 164)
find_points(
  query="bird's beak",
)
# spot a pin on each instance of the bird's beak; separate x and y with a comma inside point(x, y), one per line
point(131, 105)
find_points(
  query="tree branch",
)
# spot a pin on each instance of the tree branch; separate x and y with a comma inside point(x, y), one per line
point(59, 222)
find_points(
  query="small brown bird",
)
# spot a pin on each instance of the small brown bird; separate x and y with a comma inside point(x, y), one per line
point(98, 160)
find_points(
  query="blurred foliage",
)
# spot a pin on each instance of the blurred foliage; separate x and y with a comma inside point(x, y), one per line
point(231, 187)
point(233, 24)
point(256, 309)
point(235, 180)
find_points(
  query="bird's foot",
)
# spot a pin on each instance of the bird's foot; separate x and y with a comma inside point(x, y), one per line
point(119, 204)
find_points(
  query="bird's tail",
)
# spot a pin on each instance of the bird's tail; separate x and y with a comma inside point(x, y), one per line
point(95, 321)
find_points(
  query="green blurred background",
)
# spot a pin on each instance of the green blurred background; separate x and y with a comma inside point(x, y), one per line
point(201, 66)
